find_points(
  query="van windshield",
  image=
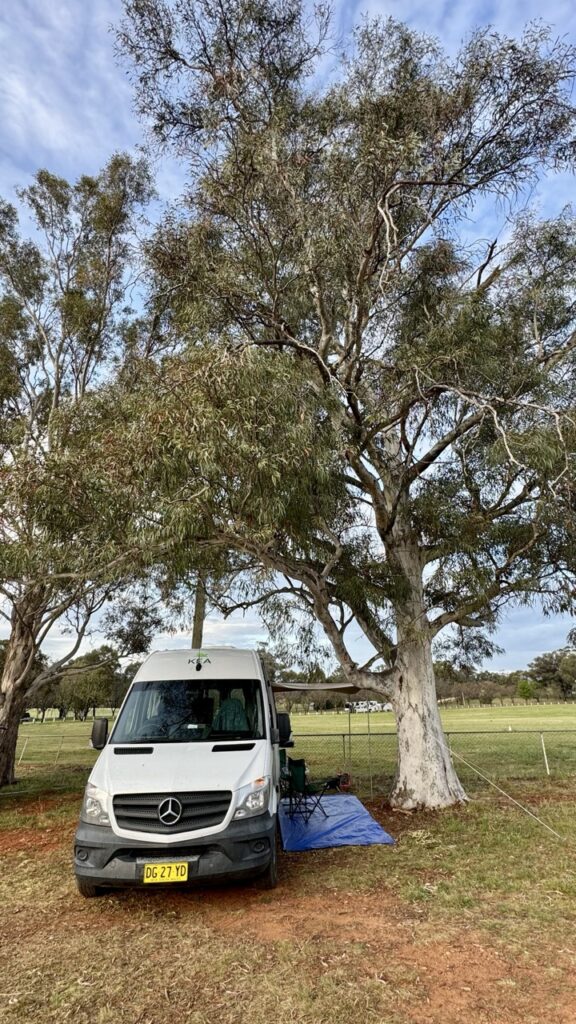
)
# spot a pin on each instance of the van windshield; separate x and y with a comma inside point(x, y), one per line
point(190, 711)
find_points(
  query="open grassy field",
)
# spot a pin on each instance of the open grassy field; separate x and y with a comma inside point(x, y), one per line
point(470, 917)
point(503, 742)
point(531, 716)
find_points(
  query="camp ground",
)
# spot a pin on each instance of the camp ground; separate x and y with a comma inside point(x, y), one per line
point(466, 916)
point(287, 512)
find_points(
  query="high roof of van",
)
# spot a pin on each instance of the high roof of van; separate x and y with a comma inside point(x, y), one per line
point(215, 663)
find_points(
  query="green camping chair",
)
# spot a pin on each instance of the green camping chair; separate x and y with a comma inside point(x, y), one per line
point(284, 775)
point(305, 797)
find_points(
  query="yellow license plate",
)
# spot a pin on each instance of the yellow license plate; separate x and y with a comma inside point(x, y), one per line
point(177, 872)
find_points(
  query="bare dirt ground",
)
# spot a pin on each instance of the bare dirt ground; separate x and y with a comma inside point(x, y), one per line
point(456, 976)
point(318, 949)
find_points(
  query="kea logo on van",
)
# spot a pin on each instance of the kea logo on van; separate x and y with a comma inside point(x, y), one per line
point(200, 660)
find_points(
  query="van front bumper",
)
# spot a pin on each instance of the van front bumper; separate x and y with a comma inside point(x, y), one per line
point(241, 850)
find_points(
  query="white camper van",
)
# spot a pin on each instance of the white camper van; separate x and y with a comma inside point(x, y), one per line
point(187, 785)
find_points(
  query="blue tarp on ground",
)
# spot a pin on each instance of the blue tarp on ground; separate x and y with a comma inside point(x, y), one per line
point(348, 824)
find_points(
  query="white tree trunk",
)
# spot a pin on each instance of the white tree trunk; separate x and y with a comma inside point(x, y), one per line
point(425, 776)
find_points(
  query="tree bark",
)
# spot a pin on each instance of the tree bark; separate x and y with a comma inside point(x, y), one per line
point(425, 776)
point(13, 691)
point(199, 615)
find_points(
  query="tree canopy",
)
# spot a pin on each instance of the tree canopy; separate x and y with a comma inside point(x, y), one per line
point(65, 324)
point(399, 457)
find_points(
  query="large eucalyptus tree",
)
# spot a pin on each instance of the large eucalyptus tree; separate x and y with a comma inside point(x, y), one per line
point(340, 229)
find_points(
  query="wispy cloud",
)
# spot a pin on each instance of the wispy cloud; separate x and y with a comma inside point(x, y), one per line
point(526, 633)
point(452, 21)
point(64, 102)
point(237, 631)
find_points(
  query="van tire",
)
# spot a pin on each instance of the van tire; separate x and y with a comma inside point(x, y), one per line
point(269, 879)
point(87, 889)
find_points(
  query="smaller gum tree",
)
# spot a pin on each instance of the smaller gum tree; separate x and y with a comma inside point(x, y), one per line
point(64, 324)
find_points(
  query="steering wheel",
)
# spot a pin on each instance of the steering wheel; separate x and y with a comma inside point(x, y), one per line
point(155, 727)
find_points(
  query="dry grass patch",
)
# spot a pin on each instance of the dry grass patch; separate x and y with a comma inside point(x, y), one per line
point(469, 918)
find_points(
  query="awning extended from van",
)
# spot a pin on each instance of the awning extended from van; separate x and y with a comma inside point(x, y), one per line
point(282, 687)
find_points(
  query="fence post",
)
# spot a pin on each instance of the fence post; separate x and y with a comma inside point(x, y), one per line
point(349, 740)
point(344, 765)
point(23, 751)
point(59, 749)
point(370, 756)
point(544, 752)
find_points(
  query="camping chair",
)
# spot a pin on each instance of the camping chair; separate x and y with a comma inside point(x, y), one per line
point(284, 775)
point(305, 797)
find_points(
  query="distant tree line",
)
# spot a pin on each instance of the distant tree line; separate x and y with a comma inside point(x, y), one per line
point(92, 681)
point(550, 676)
point(97, 680)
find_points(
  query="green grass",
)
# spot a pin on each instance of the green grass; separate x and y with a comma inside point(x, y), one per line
point(535, 716)
point(488, 858)
point(503, 743)
point(469, 917)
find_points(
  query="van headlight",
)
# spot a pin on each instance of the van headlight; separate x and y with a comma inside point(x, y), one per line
point(253, 799)
point(94, 806)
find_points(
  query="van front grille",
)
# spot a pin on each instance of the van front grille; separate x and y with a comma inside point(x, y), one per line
point(139, 812)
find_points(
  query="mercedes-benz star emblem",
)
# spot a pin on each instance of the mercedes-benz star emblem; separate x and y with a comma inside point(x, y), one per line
point(170, 811)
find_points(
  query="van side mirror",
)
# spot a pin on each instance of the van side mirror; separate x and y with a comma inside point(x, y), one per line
point(99, 733)
point(284, 728)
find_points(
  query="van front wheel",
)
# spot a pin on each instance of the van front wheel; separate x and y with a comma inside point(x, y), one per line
point(88, 890)
point(269, 879)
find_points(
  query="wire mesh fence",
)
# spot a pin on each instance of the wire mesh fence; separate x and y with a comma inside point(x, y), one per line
point(370, 757)
point(53, 745)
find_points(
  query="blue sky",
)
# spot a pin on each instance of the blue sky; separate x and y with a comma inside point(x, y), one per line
point(65, 104)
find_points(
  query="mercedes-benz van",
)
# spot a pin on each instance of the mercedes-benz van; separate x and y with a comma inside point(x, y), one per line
point(187, 785)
